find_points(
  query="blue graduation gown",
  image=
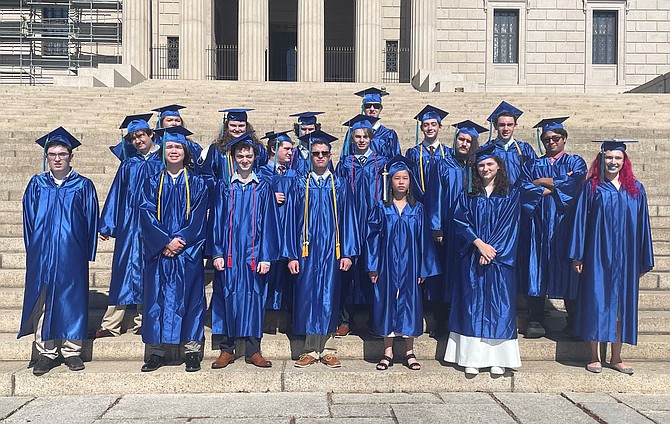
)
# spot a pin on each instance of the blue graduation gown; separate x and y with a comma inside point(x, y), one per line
point(120, 219)
point(429, 166)
point(365, 185)
point(400, 249)
point(238, 301)
point(316, 295)
point(60, 230)
point(385, 142)
point(513, 158)
point(217, 166)
point(174, 287)
point(546, 224)
point(280, 280)
point(484, 300)
point(612, 238)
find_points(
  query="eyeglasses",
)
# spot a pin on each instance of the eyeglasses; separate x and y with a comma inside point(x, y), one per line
point(62, 155)
point(319, 154)
point(372, 106)
point(554, 138)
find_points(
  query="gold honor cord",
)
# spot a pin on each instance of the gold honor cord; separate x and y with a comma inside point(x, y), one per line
point(305, 218)
point(518, 149)
point(421, 162)
point(305, 233)
point(188, 194)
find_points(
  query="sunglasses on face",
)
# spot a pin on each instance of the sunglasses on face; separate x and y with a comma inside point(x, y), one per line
point(319, 154)
point(554, 138)
point(372, 106)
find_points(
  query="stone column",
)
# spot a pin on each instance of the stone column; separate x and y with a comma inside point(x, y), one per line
point(423, 35)
point(253, 26)
point(192, 44)
point(136, 38)
point(311, 23)
point(368, 40)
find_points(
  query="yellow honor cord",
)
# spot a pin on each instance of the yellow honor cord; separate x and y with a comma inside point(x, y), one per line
point(518, 149)
point(337, 226)
point(305, 234)
point(421, 166)
point(160, 194)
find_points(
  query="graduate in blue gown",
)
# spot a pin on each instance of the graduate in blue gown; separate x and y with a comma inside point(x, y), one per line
point(549, 187)
point(173, 218)
point(513, 152)
point(385, 140)
point(400, 256)
point(306, 124)
point(277, 173)
point(611, 248)
point(60, 222)
point(362, 172)
point(243, 241)
point(451, 174)
point(215, 162)
point(482, 324)
point(320, 242)
point(120, 219)
point(170, 116)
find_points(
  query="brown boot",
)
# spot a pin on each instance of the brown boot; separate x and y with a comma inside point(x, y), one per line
point(258, 360)
point(223, 360)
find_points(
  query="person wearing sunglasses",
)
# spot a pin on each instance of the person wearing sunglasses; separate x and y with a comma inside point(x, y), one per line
point(550, 185)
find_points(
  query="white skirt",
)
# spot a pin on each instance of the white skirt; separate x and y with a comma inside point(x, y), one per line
point(482, 353)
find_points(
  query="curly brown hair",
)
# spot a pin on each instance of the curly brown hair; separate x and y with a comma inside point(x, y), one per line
point(501, 182)
point(221, 142)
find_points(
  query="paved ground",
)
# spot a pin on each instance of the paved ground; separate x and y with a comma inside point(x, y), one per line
point(299, 408)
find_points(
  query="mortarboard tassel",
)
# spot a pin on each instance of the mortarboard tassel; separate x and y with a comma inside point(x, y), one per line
point(160, 195)
point(44, 155)
point(416, 134)
point(602, 162)
point(539, 142)
point(188, 194)
point(469, 178)
point(490, 131)
point(363, 106)
point(276, 148)
point(455, 138)
point(347, 143)
point(385, 176)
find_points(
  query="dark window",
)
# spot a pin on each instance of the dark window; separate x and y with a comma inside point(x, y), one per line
point(506, 36)
point(55, 31)
point(173, 52)
point(605, 37)
point(391, 56)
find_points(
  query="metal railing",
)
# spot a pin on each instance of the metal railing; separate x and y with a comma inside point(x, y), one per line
point(163, 64)
point(396, 64)
point(222, 63)
point(339, 64)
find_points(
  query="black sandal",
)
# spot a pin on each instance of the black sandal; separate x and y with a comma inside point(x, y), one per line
point(414, 366)
point(381, 366)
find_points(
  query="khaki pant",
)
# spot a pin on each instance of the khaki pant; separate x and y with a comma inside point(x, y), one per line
point(114, 317)
point(49, 348)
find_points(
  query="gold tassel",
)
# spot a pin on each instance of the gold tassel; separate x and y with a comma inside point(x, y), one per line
point(337, 226)
point(160, 195)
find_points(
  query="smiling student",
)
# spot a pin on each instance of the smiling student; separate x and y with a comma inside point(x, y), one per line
point(611, 249)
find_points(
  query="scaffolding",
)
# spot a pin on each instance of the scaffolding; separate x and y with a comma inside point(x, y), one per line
point(43, 39)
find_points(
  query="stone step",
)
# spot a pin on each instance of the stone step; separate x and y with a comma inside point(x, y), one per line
point(18, 260)
point(651, 347)
point(15, 244)
point(355, 376)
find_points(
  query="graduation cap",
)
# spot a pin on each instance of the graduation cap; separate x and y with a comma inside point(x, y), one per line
point(610, 145)
point(136, 122)
point(483, 153)
point(169, 110)
point(245, 139)
point(317, 136)
point(122, 150)
point(502, 108)
point(61, 135)
point(546, 125)
point(467, 127)
point(361, 121)
point(306, 118)
point(176, 134)
point(239, 114)
point(396, 164)
point(431, 112)
point(278, 137)
point(372, 95)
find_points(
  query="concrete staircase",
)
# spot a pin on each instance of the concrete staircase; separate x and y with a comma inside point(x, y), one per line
point(550, 364)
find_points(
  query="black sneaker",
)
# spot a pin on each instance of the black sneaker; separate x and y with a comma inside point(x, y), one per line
point(43, 365)
point(74, 363)
point(153, 363)
point(192, 361)
point(535, 330)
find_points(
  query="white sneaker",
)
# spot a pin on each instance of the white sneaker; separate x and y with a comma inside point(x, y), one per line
point(497, 371)
point(471, 371)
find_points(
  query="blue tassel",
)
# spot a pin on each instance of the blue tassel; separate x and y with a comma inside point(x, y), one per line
point(347, 143)
point(453, 151)
point(490, 131)
point(276, 148)
point(416, 134)
point(602, 164)
point(469, 178)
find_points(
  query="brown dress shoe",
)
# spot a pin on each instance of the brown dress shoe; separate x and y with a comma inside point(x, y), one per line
point(258, 360)
point(331, 361)
point(305, 360)
point(223, 360)
point(103, 332)
point(342, 330)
